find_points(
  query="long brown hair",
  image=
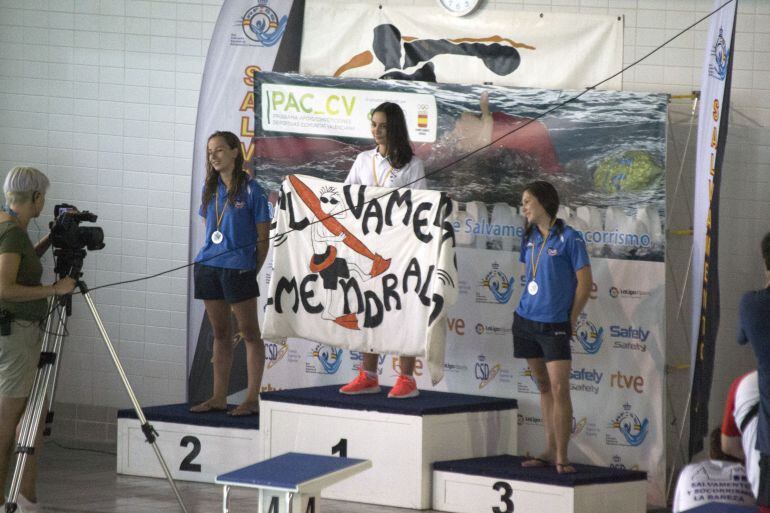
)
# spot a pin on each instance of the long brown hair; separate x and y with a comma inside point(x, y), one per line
point(212, 175)
point(397, 135)
point(546, 195)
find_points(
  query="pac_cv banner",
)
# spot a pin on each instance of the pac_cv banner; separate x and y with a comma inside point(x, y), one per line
point(341, 112)
point(354, 264)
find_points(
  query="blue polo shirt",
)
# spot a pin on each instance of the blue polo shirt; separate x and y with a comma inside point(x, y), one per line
point(564, 254)
point(238, 250)
point(754, 327)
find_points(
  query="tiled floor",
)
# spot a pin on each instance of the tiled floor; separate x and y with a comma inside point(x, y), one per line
point(85, 482)
point(76, 481)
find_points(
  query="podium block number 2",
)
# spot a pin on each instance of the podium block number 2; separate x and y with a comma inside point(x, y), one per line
point(187, 463)
point(505, 498)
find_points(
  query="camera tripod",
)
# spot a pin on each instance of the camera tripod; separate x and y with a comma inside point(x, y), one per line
point(45, 384)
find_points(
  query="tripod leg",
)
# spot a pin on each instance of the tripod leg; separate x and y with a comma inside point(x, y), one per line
point(149, 432)
point(36, 401)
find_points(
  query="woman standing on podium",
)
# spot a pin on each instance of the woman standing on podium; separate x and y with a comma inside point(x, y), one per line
point(391, 163)
point(237, 219)
point(558, 276)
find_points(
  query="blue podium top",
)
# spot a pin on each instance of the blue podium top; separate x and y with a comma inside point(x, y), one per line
point(716, 507)
point(180, 414)
point(427, 403)
point(509, 467)
point(287, 472)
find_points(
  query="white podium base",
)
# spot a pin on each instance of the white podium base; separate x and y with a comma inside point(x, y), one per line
point(402, 447)
point(192, 452)
point(466, 493)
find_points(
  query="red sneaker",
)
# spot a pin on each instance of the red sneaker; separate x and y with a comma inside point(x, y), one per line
point(404, 388)
point(363, 384)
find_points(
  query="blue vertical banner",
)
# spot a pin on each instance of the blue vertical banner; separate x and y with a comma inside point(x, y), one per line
point(249, 36)
point(712, 134)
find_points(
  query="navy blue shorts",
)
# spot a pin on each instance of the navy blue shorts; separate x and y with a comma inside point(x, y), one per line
point(547, 340)
point(232, 285)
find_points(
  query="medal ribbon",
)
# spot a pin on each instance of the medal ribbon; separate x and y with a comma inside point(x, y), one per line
point(374, 173)
point(539, 253)
point(217, 215)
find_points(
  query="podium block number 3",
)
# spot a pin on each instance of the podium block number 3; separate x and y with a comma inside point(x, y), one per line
point(341, 448)
point(187, 463)
point(502, 486)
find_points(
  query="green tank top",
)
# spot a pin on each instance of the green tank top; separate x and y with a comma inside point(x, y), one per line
point(13, 239)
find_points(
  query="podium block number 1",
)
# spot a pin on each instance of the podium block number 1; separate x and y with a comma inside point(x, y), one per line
point(341, 448)
point(505, 498)
point(187, 463)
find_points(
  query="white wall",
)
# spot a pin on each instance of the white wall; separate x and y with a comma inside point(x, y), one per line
point(102, 95)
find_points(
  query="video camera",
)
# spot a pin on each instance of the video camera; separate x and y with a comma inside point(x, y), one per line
point(66, 232)
point(70, 240)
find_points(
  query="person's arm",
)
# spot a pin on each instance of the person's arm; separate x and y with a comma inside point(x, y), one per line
point(742, 337)
point(263, 240)
point(582, 293)
point(418, 175)
point(730, 440)
point(733, 446)
point(14, 292)
point(43, 245)
point(353, 178)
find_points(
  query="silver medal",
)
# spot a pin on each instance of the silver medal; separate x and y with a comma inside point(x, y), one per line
point(532, 288)
point(217, 237)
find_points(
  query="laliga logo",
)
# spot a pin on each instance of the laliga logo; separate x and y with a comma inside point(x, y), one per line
point(274, 353)
point(578, 426)
point(633, 429)
point(588, 335)
point(498, 284)
point(484, 373)
point(261, 24)
point(330, 357)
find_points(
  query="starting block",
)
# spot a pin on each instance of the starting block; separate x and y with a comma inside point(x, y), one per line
point(500, 484)
point(292, 482)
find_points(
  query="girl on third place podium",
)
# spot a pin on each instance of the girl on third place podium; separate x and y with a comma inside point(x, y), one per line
point(235, 211)
point(391, 164)
point(558, 276)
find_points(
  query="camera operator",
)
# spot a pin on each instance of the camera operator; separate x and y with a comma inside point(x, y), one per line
point(23, 307)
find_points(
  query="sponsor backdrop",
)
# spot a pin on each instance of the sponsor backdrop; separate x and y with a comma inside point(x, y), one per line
point(606, 156)
point(249, 36)
point(528, 49)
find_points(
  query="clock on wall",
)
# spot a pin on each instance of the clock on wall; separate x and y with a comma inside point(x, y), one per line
point(459, 7)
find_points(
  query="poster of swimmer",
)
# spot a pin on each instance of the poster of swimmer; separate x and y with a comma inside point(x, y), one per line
point(605, 152)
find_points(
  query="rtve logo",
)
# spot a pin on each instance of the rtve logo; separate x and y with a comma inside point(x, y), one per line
point(630, 382)
point(456, 325)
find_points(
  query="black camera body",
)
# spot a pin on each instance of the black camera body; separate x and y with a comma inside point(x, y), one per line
point(70, 240)
point(66, 232)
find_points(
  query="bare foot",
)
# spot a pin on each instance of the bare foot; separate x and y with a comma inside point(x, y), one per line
point(540, 461)
point(565, 468)
point(245, 409)
point(209, 406)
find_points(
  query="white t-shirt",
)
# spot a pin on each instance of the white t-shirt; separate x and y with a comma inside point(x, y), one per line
point(371, 168)
point(712, 481)
point(746, 396)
